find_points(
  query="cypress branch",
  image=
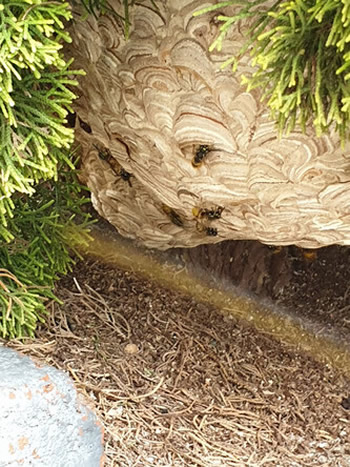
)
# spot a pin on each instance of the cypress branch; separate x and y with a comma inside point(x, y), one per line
point(41, 201)
point(301, 50)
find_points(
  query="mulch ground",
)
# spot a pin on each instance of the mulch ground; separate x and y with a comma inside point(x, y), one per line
point(176, 383)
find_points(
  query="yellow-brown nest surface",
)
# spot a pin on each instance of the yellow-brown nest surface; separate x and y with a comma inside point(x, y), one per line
point(176, 153)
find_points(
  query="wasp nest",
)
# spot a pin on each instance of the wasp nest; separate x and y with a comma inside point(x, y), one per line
point(176, 153)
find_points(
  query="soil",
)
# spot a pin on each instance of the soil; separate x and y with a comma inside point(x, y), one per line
point(177, 383)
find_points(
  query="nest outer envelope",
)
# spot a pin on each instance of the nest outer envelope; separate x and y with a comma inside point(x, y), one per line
point(150, 103)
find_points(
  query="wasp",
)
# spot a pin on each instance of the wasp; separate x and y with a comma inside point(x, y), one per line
point(209, 214)
point(106, 155)
point(309, 255)
point(275, 249)
point(124, 175)
point(201, 153)
point(210, 231)
point(84, 126)
point(71, 119)
point(173, 215)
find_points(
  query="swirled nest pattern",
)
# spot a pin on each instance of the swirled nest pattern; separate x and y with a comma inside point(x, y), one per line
point(177, 154)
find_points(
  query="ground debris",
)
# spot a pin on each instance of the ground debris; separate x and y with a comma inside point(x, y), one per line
point(195, 388)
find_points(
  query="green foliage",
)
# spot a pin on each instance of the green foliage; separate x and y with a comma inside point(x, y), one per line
point(31, 32)
point(47, 227)
point(40, 198)
point(301, 49)
point(34, 98)
point(102, 7)
point(31, 150)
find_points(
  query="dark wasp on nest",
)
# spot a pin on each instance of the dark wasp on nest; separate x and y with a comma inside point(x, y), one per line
point(201, 152)
point(173, 215)
point(209, 231)
point(124, 175)
point(84, 126)
point(207, 215)
point(106, 155)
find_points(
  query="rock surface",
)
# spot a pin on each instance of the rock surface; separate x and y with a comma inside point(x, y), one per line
point(148, 104)
point(42, 422)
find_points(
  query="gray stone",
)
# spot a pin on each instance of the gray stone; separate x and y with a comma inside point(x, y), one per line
point(42, 421)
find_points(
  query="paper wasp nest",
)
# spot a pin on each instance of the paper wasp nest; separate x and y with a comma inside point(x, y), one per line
point(176, 153)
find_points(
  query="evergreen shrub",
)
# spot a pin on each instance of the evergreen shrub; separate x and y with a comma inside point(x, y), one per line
point(301, 51)
point(40, 197)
